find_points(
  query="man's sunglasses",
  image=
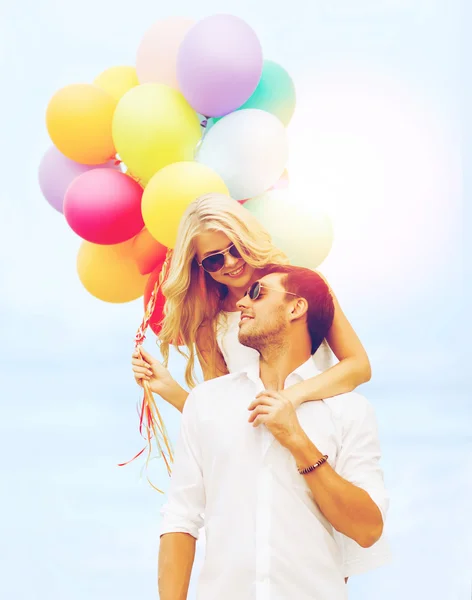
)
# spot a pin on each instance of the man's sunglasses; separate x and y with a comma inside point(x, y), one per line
point(255, 290)
point(215, 262)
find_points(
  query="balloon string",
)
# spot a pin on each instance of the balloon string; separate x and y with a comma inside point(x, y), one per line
point(151, 424)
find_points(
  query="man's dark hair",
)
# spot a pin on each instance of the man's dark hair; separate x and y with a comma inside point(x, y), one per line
point(311, 286)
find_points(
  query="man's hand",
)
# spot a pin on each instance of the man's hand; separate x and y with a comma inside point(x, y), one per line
point(276, 411)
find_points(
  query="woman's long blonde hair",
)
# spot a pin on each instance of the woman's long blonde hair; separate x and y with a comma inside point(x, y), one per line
point(193, 297)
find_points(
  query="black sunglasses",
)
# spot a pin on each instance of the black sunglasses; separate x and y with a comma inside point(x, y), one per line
point(215, 262)
point(255, 290)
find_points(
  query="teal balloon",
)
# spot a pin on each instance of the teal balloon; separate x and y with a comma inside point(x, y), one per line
point(275, 94)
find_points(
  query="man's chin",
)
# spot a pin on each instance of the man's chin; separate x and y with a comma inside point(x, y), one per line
point(246, 338)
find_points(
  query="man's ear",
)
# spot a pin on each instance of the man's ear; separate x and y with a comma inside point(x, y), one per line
point(299, 309)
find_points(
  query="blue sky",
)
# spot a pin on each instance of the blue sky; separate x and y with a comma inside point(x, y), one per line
point(377, 142)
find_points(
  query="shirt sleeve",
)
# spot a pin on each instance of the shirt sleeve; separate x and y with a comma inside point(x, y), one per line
point(183, 511)
point(358, 560)
point(359, 458)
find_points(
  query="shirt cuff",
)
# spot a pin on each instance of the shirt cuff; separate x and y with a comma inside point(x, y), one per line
point(172, 523)
point(367, 560)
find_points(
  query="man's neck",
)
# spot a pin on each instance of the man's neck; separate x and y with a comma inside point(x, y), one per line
point(277, 362)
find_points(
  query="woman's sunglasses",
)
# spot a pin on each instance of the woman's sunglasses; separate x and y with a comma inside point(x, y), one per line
point(255, 290)
point(215, 262)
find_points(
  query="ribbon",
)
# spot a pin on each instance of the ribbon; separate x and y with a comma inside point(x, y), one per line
point(151, 424)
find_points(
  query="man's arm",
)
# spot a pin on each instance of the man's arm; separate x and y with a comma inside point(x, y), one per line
point(182, 514)
point(353, 499)
point(176, 555)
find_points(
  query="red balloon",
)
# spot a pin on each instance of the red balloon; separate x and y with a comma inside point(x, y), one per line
point(103, 206)
point(148, 252)
point(158, 312)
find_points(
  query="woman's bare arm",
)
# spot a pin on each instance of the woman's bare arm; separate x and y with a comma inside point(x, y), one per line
point(352, 370)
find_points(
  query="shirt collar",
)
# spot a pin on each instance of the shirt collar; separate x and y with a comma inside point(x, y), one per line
point(307, 370)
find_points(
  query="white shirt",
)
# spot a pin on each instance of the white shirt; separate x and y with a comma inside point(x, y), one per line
point(266, 538)
point(355, 558)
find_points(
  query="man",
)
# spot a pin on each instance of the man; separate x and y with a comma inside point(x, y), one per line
point(270, 484)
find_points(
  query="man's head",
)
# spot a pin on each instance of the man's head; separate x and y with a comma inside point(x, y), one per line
point(286, 302)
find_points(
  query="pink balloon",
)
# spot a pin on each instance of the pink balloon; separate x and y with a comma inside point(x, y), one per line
point(104, 206)
point(156, 60)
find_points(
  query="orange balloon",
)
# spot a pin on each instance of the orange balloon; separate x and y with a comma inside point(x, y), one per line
point(110, 273)
point(147, 252)
point(79, 120)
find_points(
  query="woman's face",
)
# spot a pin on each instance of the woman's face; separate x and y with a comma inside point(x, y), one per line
point(234, 272)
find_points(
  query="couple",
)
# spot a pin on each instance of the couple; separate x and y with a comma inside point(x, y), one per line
point(291, 489)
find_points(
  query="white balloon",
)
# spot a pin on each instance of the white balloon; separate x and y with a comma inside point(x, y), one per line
point(248, 149)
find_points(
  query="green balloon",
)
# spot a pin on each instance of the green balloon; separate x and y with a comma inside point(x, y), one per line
point(305, 235)
point(275, 94)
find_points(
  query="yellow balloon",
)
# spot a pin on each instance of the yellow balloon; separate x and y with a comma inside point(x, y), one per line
point(79, 121)
point(109, 272)
point(154, 126)
point(117, 81)
point(170, 191)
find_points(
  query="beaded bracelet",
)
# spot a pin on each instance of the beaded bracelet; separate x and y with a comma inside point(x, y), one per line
point(313, 467)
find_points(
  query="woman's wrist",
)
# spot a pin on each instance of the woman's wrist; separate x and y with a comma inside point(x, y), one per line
point(295, 395)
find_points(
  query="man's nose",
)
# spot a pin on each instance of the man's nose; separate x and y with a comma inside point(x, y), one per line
point(242, 303)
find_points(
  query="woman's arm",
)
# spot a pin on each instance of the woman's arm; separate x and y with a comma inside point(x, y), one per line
point(352, 370)
point(204, 353)
point(146, 367)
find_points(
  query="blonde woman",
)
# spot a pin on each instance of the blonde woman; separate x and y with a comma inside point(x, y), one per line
point(221, 249)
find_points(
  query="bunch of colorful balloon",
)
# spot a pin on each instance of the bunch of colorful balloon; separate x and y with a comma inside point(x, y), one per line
point(201, 112)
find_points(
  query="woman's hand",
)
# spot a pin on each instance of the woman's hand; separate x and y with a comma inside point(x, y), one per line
point(289, 393)
point(147, 368)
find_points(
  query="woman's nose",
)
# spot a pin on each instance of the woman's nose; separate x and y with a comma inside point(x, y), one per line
point(230, 261)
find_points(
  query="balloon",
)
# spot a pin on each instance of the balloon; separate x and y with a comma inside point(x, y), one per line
point(109, 272)
point(248, 149)
point(104, 206)
point(147, 252)
point(79, 119)
point(158, 312)
point(117, 81)
point(219, 65)
point(156, 60)
point(154, 126)
point(169, 193)
point(275, 93)
point(304, 234)
point(283, 182)
point(56, 173)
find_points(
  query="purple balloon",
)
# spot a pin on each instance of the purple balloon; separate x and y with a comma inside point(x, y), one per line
point(219, 65)
point(57, 172)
